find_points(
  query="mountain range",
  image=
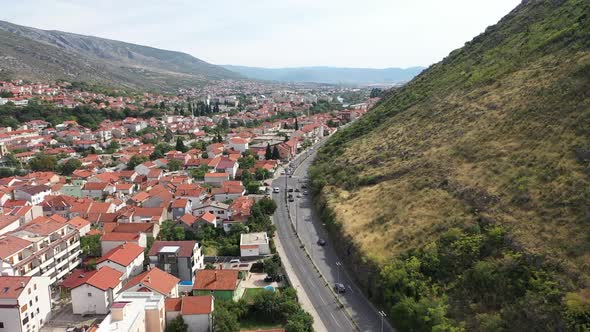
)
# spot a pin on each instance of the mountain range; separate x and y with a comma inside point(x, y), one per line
point(42, 55)
point(461, 201)
point(329, 75)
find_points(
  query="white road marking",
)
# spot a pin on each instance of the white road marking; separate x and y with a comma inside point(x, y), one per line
point(334, 318)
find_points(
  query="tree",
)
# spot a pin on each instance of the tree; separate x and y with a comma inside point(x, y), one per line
point(219, 138)
point(224, 320)
point(174, 165)
point(271, 266)
point(268, 152)
point(90, 245)
point(275, 153)
point(246, 162)
point(180, 145)
point(177, 325)
point(113, 147)
point(70, 166)
point(261, 174)
point(136, 160)
point(170, 232)
point(296, 124)
point(43, 163)
point(168, 135)
point(10, 160)
point(199, 173)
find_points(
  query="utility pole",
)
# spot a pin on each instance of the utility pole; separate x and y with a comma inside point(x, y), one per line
point(383, 315)
point(338, 265)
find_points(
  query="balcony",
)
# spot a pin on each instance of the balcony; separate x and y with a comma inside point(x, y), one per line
point(60, 254)
point(33, 272)
point(61, 264)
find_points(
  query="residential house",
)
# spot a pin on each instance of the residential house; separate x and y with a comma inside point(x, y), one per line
point(222, 284)
point(110, 240)
point(154, 280)
point(25, 303)
point(127, 258)
point(196, 311)
point(216, 179)
point(238, 144)
point(179, 258)
point(93, 292)
point(32, 193)
point(254, 244)
point(221, 211)
point(180, 207)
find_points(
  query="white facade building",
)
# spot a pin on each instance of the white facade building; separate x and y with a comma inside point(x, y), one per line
point(25, 303)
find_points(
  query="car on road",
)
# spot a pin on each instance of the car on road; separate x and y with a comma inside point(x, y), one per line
point(339, 288)
point(321, 242)
point(305, 192)
point(276, 190)
point(282, 172)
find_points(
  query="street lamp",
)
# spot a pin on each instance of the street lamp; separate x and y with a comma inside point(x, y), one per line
point(383, 315)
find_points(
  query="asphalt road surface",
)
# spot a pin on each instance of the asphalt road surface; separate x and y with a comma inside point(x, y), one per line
point(309, 228)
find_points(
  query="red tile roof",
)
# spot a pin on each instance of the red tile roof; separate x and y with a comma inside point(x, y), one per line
point(154, 279)
point(103, 279)
point(123, 254)
point(11, 287)
point(197, 305)
point(216, 280)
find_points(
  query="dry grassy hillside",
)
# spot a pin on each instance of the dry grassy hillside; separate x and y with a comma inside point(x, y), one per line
point(495, 135)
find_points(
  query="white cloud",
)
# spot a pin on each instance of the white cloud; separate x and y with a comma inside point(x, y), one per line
point(274, 33)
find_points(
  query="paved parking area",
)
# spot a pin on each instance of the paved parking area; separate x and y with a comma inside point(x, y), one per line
point(256, 280)
point(63, 318)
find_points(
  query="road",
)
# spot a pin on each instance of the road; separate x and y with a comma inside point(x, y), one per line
point(309, 228)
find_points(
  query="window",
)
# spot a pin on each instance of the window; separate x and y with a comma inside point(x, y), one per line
point(89, 294)
point(26, 320)
point(37, 310)
point(29, 290)
point(24, 308)
point(36, 299)
point(35, 286)
point(1, 325)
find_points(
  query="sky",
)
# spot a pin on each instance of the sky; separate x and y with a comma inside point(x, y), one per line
point(276, 33)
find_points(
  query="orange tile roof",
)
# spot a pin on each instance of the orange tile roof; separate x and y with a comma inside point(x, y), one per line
point(197, 305)
point(123, 254)
point(103, 279)
point(173, 304)
point(79, 222)
point(11, 287)
point(216, 280)
point(154, 279)
point(132, 237)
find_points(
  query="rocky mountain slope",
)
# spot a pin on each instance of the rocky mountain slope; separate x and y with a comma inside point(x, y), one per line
point(330, 75)
point(35, 54)
point(465, 195)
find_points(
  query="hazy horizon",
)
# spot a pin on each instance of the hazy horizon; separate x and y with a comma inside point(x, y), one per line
point(376, 34)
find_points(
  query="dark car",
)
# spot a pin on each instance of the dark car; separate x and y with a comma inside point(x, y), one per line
point(297, 190)
point(339, 288)
point(268, 279)
point(304, 186)
point(321, 242)
point(290, 190)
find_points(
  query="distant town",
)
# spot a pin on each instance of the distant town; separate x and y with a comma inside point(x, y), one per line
point(157, 209)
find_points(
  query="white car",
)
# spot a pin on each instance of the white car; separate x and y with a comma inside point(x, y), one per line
point(276, 190)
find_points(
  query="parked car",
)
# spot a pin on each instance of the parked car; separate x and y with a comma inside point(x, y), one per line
point(339, 288)
point(276, 190)
point(304, 186)
point(299, 195)
point(234, 261)
point(305, 192)
point(321, 242)
point(268, 279)
point(297, 190)
point(291, 199)
point(290, 190)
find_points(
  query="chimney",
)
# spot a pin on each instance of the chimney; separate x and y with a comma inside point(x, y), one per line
point(148, 279)
point(213, 279)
